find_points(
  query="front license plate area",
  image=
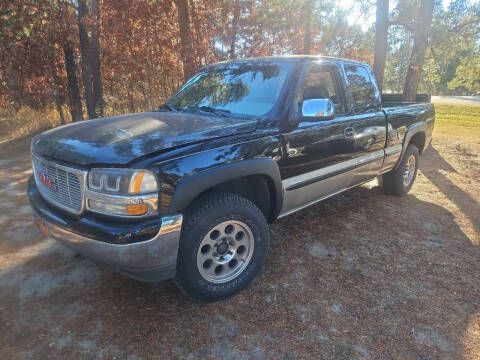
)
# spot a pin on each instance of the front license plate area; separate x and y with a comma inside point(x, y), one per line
point(42, 225)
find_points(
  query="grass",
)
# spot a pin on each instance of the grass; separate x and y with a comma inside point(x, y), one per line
point(18, 124)
point(457, 121)
point(25, 122)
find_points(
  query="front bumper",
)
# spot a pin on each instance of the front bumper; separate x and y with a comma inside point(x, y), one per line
point(145, 251)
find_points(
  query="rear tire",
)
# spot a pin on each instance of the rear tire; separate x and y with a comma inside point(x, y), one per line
point(399, 181)
point(223, 245)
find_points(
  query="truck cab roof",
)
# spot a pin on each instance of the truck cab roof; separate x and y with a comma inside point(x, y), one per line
point(289, 58)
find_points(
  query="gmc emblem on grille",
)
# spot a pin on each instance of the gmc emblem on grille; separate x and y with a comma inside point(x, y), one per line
point(47, 181)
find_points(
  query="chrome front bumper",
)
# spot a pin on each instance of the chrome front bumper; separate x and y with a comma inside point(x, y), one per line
point(150, 260)
point(145, 250)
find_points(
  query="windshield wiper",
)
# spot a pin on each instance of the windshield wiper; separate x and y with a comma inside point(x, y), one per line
point(167, 107)
point(221, 112)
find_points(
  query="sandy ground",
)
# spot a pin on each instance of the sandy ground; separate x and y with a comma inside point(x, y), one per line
point(456, 100)
point(359, 276)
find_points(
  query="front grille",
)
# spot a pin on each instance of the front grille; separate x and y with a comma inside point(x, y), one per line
point(60, 185)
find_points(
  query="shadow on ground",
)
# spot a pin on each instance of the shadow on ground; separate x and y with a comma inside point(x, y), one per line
point(435, 172)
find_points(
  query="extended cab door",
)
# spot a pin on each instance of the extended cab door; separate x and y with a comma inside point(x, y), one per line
point(319, 157)
point(368, 125)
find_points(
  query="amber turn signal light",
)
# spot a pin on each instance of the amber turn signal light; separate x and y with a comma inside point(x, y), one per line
point(136, 209)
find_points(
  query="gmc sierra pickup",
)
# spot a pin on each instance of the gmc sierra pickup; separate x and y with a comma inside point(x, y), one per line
point(187, 191)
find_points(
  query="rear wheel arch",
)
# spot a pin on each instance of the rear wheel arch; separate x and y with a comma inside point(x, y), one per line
point(416, 135)
point(418, 139)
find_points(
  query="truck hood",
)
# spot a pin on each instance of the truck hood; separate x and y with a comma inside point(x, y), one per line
point(121, 139)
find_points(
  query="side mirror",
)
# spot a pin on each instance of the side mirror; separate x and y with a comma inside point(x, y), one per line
point(318, 107)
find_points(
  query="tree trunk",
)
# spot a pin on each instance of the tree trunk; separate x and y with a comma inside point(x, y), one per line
point(381, 37)
point(307, 40)
point(187, 50)
point(225, 9)
point(73, 90)
point(55, 86)
point(56, 94)
point(423, 23)
point(198, 32)
point(96, 73)
point(233, 38)
point(85, 51)
point(130, 92)
point(13, 81)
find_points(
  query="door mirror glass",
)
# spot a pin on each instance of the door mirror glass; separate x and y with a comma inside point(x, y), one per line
point(318, 107)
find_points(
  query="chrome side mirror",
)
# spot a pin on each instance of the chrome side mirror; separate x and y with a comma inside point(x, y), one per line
point(318, 107)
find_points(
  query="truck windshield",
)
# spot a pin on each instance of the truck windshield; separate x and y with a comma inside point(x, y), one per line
point(249, 88)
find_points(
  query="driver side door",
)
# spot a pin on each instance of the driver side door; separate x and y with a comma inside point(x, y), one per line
point(320, 153)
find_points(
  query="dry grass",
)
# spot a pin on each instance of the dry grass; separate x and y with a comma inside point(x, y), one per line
point(25, 122)
point(458, 121)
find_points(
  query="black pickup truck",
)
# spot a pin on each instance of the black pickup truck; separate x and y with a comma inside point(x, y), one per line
point(187, 191)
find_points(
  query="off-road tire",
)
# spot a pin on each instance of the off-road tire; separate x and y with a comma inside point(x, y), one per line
point(200, 219)
point(394, 182)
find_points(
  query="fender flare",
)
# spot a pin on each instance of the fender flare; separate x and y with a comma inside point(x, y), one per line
point(420, 127)
point(193, 185)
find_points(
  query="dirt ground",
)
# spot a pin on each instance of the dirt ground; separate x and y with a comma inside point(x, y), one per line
point(359, 276)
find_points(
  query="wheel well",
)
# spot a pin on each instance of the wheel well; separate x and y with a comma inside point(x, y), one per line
point(259, 189)
point(418, 140)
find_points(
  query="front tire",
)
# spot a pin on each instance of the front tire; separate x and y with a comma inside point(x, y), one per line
point(223, 246)
point(400, 181)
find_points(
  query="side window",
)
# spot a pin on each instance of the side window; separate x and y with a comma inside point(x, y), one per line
point(320, 84)
point(361, 88)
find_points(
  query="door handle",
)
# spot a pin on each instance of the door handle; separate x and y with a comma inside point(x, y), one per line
point(349, 132)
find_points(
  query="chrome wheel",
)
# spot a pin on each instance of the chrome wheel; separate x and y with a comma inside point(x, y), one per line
point(225, 251)
point(409, 171)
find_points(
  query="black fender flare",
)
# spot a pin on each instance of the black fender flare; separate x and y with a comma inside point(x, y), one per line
point(420, 127)
point(191, 186)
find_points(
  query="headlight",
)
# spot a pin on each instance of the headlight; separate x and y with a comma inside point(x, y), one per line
point(122, 192)
point(122, 181)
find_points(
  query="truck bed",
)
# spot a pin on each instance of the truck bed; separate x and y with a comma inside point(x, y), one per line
point(403, 115)
point(397, 98)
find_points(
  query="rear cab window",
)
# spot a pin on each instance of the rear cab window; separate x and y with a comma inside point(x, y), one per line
point(362, 89)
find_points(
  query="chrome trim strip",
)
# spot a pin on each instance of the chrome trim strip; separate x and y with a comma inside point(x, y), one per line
point(321, 177)
point(293, 183)
point(393, 149)
point(81, 175)
point(160, 252)
point(365, 159)
point(311, 177)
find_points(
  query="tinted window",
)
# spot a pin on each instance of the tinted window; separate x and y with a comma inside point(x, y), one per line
point(241, 88)
point(320, 83)
point(361, 88)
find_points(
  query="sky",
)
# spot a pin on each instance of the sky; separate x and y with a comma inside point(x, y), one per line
point(365, 20)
